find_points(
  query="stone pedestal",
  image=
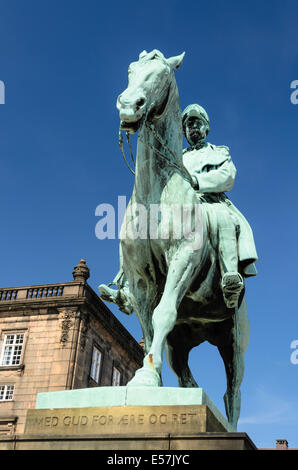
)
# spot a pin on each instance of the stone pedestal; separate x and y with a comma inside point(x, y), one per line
point(123, 420)
point(137, 397)
point(127, 418)
point(129, 442)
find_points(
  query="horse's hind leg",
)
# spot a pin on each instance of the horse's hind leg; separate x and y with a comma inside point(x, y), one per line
point(177, 350)
point(232, 344)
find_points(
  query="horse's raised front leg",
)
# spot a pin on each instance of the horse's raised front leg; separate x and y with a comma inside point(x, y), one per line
point(181, 272)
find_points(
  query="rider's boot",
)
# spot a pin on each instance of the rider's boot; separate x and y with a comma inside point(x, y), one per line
point(232, 285)
point(117, 297)
point(232, 282)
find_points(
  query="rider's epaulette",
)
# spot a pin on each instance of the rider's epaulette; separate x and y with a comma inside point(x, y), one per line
point(223, 147)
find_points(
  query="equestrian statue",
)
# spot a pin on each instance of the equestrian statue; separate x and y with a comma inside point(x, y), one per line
point(189, 288)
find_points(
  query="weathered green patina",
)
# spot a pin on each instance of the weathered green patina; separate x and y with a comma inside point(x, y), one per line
point(213, 174)
point(181, 295)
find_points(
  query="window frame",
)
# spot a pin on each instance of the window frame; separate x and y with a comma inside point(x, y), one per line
point(100, 350)
point(4, 345)
point(118, 369)
point(6, 392)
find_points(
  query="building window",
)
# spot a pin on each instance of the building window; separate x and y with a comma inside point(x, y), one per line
point(6, 392)
point(96, 364)
point(116, 378)
point(12, 349)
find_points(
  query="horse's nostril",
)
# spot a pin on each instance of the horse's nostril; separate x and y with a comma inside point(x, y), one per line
point(140, 103)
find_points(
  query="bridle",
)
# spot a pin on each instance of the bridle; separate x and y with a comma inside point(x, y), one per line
point(171, 157)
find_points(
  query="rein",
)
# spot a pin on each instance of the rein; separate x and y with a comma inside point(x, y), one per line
point(172, 159)
point(130, 150)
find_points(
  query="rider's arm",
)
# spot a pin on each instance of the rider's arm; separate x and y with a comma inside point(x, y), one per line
point(217, 180)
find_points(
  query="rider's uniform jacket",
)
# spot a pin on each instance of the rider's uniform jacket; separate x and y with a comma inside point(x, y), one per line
point(212, 168)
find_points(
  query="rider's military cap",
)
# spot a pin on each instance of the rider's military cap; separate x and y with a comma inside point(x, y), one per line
point(195, 110)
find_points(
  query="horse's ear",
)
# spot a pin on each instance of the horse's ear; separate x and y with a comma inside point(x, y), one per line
point(143, 54)
point(175, 62)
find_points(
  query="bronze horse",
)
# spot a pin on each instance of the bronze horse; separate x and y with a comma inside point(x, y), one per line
point(173, 289)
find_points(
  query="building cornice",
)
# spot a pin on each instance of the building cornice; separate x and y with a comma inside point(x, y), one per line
point(48, 298)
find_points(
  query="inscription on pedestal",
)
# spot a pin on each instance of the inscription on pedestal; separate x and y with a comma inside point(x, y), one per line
point(109, 420)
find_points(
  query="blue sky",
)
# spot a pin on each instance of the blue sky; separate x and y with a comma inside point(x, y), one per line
point(64, 64)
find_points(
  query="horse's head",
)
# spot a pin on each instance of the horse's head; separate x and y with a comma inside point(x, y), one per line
point(149, 81)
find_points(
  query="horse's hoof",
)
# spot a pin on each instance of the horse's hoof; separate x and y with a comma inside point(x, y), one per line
point(107, 294)
point(115, 297)
point(145, 377)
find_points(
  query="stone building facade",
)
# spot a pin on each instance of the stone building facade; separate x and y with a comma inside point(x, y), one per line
point(58, 337)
